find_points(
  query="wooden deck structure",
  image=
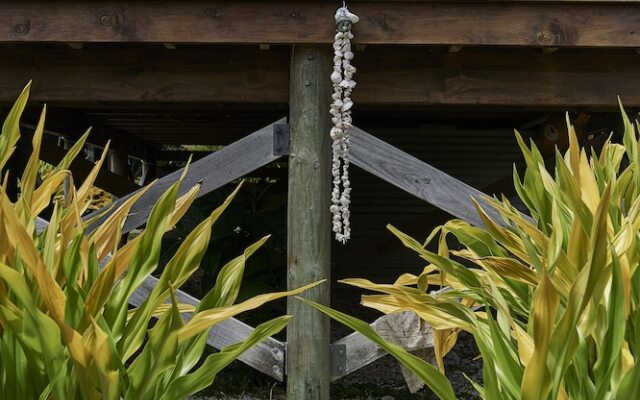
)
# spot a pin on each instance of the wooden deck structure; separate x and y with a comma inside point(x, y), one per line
point(150, 73)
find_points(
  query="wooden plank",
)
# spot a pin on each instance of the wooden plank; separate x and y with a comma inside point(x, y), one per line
point(266, 356)
point(403, 329)
point(557, 24)
point(215, 170)
point(230, 74)
point(106, 180)
point(498, 77)
point(308, 222)
point(416, 177)
point(492, 78)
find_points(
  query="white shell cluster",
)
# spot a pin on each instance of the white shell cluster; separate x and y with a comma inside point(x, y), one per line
point(343, 84)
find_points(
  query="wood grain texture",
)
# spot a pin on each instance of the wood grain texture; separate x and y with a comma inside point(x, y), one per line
point(267, 356)
point(214, 170)
point(403, 329)
point(147, 74)
point(518, 23)
point(498, 77)
point(416, 177)
point(308, 222)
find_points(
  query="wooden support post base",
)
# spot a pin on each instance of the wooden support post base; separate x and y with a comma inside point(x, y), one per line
point(309, 230)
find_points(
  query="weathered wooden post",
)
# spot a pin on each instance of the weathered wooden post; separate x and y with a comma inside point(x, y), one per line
point(309, 230)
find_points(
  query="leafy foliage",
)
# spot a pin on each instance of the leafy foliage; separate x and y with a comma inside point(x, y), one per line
point(259, 209)
point(66, 330)
point(552, 300)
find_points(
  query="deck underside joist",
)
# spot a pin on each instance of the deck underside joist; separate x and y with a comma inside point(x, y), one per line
point(511, 23)
point(421, 76)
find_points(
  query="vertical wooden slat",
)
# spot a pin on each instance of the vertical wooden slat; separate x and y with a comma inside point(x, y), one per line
point(309, 231)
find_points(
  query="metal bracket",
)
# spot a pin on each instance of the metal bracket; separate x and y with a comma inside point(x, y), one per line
point(281, 139)
point(338, 359)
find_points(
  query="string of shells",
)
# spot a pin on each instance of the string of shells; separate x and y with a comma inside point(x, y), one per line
point(343, 85)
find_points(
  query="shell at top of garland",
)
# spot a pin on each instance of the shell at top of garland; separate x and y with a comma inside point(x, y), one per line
point(343, 85)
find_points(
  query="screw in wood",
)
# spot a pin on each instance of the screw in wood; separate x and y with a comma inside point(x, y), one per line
point(23, 29)
point(107, 19)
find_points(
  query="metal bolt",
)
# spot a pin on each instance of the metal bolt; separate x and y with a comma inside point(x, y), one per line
point(22, 29)
point(307, 82)
point(341, 368)
point(341, 352)
point(310, 56)
point(107, 19)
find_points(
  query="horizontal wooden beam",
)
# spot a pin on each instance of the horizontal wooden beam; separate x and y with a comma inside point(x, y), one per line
point(220, 74)
point(510, 23)
point(402, 76)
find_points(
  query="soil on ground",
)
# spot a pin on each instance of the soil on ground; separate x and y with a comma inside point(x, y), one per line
point(381, 379)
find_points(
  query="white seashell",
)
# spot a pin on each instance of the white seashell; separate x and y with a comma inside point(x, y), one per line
point(347, 105)
point(336, 133)
point(336, 77)
point(348, 55)
point(352, 17)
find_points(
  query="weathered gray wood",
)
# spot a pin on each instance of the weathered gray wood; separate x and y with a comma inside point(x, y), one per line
point(309, 220)
point(266, 356)
point(416, 177)
point(215, 170)
point(403, 329)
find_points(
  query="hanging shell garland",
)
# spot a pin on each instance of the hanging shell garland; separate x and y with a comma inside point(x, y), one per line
point(343, 84)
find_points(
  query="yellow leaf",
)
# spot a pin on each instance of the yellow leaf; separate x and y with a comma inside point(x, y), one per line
point(208, 318)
